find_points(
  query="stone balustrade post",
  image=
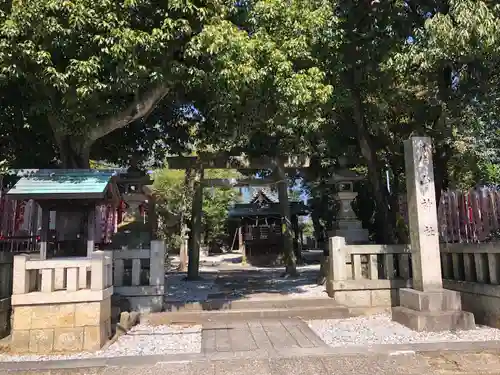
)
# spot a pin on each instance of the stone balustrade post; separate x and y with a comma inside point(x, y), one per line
point(21, 277)
point(336, 270)
point(157, 265)
point(98, 271)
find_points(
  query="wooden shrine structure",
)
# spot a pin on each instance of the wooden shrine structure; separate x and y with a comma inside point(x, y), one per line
point(195, 166)
point(133, 217)
point(260, 222)
point(76, 193)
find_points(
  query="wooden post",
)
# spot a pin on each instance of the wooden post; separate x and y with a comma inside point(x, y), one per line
point(197, 211)
point(90, 231)
point(44, 235)
point(152, 217)
point(286, 225)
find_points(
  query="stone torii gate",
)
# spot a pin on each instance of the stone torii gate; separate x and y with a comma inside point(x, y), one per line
point(195, 166)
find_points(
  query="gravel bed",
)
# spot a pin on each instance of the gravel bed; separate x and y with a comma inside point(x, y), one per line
point(296, 287)
point(180, 290)
point(140, 340)
point(380, 329)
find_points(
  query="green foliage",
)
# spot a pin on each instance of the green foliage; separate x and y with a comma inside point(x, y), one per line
point(263, 92)
point(307, 228)
point(319, 77)
point(175, 202)
point(90, 68)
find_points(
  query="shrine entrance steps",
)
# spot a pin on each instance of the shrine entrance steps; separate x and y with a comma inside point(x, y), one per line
point(227, 311)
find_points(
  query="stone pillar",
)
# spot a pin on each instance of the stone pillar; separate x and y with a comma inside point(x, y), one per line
point(183, 255)
point(336, 264)
point(426, 307)
point(44, 234)
point(241, 243)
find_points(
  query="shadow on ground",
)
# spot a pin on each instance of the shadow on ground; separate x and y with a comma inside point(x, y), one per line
point(216, 289)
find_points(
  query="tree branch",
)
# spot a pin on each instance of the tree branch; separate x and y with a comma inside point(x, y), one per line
point(141, 107)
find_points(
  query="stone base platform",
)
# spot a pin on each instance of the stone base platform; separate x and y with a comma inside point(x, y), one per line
point(351, 235)
point(4, 317)
point(61, 328)
point(432, 311)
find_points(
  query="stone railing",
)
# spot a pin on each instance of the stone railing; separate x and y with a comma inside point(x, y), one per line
point(5, 292)
point(367, 275)
point(61, 305)
point(139, 276)
point(61, 280)
point(474, 271)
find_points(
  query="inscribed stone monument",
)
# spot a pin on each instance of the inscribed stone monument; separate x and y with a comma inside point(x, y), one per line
point(426, 307)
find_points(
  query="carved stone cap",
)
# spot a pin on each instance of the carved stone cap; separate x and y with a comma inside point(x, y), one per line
point(345, 175)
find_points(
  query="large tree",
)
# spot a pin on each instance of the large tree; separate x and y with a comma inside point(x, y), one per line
point(259, 89)
point(88, 69)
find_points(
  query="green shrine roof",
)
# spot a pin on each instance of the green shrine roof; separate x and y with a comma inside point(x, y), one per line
point(62, 184)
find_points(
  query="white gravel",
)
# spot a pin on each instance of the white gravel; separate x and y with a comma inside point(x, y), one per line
point(300, 287)
point(380, 329)
point(304, 286)
point(180, 290)
point(140, 340)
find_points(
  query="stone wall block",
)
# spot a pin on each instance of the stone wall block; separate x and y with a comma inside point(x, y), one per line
point(20, 341)
point(53, 316)
point(68, 339)
point(22, 317)
point(41, 340)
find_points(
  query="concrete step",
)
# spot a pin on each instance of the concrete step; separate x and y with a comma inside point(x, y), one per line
point(252, 304)
point(333, 311)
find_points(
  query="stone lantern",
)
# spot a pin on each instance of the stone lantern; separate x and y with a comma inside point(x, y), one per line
point(348, 224)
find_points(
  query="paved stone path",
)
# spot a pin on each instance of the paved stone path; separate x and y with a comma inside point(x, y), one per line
point(255, 335)
point(283, 347)
point(419, 364)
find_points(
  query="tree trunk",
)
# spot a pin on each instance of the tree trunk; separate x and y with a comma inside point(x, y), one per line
point(441, 177)
point(290, 259)
point(70, 225)
point(374, 171)
point(319, 230)
point(72, 154)
point(444, 134)
point(396, 167)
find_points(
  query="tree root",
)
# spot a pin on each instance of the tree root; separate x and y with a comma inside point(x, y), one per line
point(127, 321)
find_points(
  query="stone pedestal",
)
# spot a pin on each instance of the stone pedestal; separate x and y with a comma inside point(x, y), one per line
point(427, 307)
point(433, 311)
point(64, 327)
point(349, 226)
